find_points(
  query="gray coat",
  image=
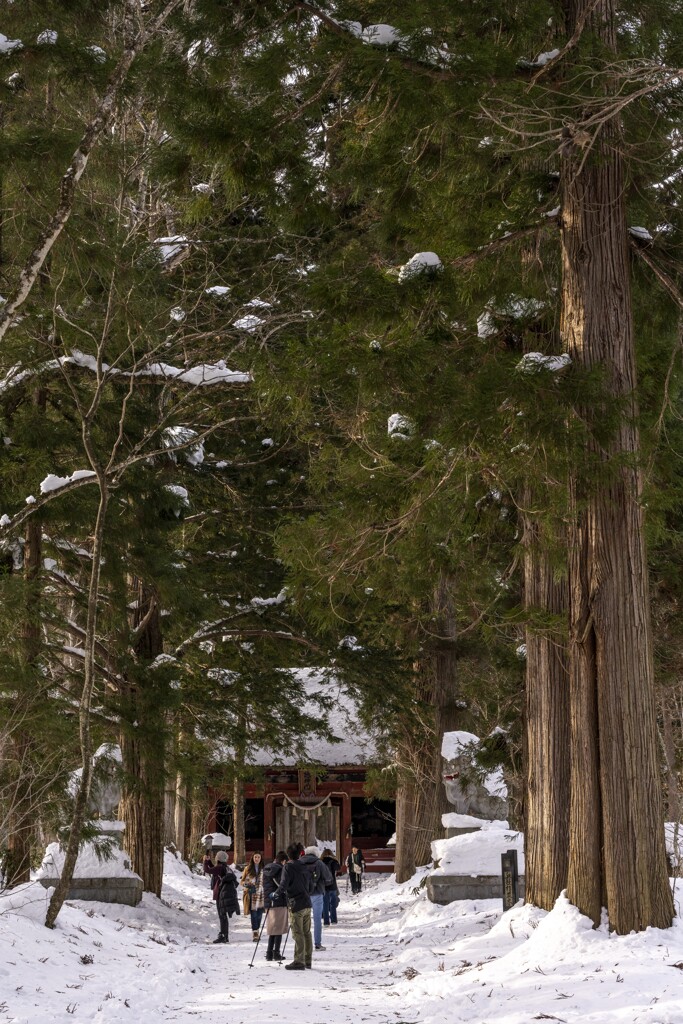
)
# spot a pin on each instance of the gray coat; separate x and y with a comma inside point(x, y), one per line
point(320, 871)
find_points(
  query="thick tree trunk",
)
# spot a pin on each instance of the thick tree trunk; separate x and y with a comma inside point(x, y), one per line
point(80, 807)
point(143, 755)
point(16, 862)
point(142, 809)
point(238, 840)
point(200, 814)
point(670, 718)
point(406, 839)
point(421, 797)
point(180, 819)
point(546, 848)
point(447, 708)
point(617, 844)
point(22, 811)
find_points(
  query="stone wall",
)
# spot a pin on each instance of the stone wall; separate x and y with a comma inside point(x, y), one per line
point(448, 888)
point(104, 890)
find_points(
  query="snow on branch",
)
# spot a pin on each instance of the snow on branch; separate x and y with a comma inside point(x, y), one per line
point(67, 190)
point(377, 35)
point(54, 483)
point(201, 375)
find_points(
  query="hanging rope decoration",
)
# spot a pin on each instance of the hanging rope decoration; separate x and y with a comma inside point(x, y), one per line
point(306, 809)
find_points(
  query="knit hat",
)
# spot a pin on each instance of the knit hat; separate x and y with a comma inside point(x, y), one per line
point(222, 857)
point(312, 849)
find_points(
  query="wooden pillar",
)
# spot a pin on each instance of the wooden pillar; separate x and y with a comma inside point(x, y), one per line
point(269, 850)
point(347, 841)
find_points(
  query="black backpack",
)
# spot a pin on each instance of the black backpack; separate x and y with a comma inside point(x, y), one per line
point(313, 877)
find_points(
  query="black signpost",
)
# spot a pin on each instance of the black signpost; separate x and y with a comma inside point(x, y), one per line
point(508, 862)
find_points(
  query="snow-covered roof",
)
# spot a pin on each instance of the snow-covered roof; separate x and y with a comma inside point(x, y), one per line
point(356, 745)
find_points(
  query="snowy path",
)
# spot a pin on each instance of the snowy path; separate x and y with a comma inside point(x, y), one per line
point(156, 963)
point(348, 983)
point(394, 958)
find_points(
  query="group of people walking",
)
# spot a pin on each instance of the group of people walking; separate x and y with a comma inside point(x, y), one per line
point(297, 891)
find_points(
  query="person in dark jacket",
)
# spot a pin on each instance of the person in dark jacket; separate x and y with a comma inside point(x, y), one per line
point(224, 891)
point(276, 906)
point(355, 863)
point(321, 879)
point(296, 884)
point(331, 897)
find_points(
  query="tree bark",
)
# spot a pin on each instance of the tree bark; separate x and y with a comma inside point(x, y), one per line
point(180, 818)
point(83, 792)
point(200, 813)
point(238, 840)
point(22, 810)
point(546, 847)
point(617, 853)
point(421, 797)
point(143, 753)
point(406, 800)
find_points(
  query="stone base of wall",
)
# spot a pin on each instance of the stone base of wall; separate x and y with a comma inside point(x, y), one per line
point(444, 889)
point(104, 890)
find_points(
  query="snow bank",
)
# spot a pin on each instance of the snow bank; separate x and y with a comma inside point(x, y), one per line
point(92, 863)
point(478, 853)
point(464, 963)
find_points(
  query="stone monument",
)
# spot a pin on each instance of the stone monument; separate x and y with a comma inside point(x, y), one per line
point(467, 862)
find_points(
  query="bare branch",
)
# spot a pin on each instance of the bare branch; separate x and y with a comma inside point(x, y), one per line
point(79, 161)
point(503, 241)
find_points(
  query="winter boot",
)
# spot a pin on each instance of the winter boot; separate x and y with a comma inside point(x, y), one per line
point(277, 955)
point(221, 938)
point(271, 944)
point(254, 936)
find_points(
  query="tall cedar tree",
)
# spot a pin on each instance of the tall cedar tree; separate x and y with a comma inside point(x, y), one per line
point(398, 172)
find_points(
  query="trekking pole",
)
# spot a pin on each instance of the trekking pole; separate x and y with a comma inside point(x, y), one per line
point(258, 941)
point(282, 951)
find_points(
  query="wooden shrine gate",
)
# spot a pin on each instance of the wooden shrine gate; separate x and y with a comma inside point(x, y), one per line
point(296, 823)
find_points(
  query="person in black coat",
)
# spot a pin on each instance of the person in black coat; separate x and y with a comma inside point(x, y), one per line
point(296, 884)
point(224, 891)
point(276, 906)
point(331, 897)
point(355, 863)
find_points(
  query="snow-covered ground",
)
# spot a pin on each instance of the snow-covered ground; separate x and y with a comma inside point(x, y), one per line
point(394, 958)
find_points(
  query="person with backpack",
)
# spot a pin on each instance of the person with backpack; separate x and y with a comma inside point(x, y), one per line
point(276, 906)
point(331, 897)
point(224, 891)
point(321, 879)
point(355, 863)
point(296, 884)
